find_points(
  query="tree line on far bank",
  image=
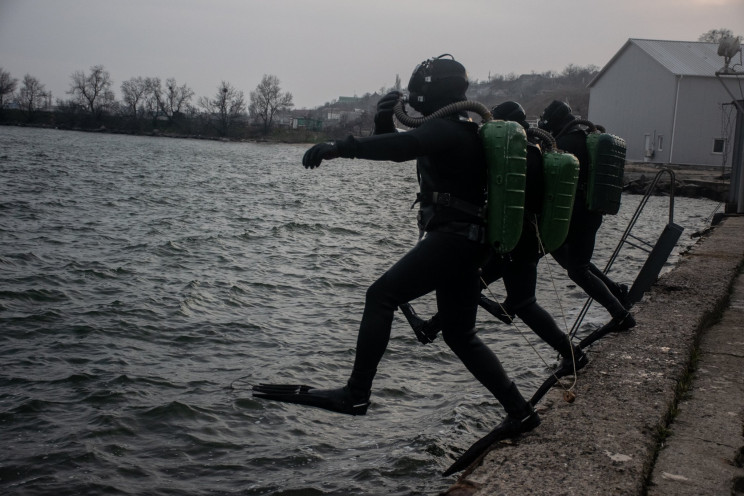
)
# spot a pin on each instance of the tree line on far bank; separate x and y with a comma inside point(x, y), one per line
point(152, 106)
point(148, 105)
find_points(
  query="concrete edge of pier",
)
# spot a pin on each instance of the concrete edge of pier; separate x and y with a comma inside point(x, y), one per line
point(659, 409)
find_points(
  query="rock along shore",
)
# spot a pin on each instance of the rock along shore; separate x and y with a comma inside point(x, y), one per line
point(659, 409)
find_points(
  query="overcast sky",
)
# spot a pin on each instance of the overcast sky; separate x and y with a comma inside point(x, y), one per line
point(323, 49)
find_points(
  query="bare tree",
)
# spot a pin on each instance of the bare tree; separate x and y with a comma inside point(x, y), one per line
point(92, 91)
point(268, 99)
point(134, 91)
point(8, 86)
point(579, 75)
point(32, 96)
point(174, 99)
point(715, 35)
point(152, 97)
point(228, 104)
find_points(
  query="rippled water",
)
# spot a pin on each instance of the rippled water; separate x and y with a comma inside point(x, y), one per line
point(145, 283)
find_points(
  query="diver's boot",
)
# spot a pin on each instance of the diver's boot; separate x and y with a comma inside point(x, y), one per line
point(571, 363)
point(496, 309)
point(520, 417)
point(619, 324)
point(426, 330)
point(520, 414)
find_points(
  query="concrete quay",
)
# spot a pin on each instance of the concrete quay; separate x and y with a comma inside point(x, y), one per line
point(659, 410)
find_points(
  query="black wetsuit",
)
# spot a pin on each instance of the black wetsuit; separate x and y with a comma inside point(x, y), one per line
point(519, 267)
point(575, 254)
point(446, 260)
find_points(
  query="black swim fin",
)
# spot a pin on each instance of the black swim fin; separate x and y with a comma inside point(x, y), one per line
point(568, 366)
point(426, 330)
point(509, 428)
point(496, 309)
point(546, 386)
point(618, 324)
point(339, 400)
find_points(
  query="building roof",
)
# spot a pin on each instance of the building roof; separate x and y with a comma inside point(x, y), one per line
point(681, 58)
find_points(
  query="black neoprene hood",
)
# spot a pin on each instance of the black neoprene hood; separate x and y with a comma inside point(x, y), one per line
point(437, 82)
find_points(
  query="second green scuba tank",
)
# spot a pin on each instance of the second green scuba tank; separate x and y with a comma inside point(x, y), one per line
point(560, 179)
point(605, 180)
point(505, 146)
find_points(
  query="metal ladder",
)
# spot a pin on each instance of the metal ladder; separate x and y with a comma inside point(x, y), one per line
point(658, 253)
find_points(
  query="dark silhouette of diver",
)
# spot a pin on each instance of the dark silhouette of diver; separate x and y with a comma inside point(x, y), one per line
point(449, 159)
point(518, 269)
point(576, 253)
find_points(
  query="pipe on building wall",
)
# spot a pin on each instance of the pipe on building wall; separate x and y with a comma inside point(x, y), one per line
point(674, 119)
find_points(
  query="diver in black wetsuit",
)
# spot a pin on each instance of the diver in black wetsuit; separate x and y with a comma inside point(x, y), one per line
point(576, 253)
point(449, 159)
point(518, 268)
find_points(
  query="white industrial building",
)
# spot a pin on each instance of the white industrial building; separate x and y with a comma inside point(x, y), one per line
point(665, 100)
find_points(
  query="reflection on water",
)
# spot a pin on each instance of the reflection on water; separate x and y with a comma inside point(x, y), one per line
point(146, 283)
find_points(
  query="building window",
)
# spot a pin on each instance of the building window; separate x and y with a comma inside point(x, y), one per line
point(719, 145)
point(661, 142)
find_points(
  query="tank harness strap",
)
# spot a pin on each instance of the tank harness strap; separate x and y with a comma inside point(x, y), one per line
point(447, 200)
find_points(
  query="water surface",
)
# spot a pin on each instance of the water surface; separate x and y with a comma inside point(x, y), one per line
point(145, 283)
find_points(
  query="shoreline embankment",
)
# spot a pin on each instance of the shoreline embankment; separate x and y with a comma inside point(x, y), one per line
point(690, 181)
point(631, 397)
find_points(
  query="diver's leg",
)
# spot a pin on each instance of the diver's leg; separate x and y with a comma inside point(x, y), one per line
point(575, 256)
point(619, 291)
point(520, 279)
point(413, 276)
point(457, 296)
point(426, 330)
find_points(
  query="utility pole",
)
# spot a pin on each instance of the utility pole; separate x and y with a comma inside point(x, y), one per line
point(728, 48)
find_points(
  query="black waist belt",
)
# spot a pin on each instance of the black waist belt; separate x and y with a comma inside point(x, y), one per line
point(447, 200)
point(473, 232)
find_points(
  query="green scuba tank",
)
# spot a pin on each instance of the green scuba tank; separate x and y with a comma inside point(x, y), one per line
point(505, 146)
point(607, 164)
point(560, 179)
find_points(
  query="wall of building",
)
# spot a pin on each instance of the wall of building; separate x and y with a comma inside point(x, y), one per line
point(634, 99)
point(700, 122)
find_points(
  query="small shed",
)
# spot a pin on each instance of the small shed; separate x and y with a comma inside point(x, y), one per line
point(664, 99)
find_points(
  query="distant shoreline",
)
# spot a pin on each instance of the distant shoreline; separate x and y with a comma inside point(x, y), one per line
point(691, 181)
point(283, 138)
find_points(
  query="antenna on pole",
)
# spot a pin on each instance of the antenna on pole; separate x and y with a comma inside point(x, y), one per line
point(728, 47)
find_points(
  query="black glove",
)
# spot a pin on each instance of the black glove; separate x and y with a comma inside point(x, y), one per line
point(384, 114)
point(387, 102)
point(318, 153)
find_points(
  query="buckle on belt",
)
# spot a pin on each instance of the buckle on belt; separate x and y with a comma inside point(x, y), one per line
point(477, 233)
point(441, 198)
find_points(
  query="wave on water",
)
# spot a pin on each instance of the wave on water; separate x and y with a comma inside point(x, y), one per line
point(148, 283)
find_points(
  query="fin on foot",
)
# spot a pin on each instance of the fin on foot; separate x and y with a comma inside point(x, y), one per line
point(509, 428)
point(565, 368)
point(496, 309)
point(570, 364)
point(426, 330)
point(339, 400)
point(617, 324)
